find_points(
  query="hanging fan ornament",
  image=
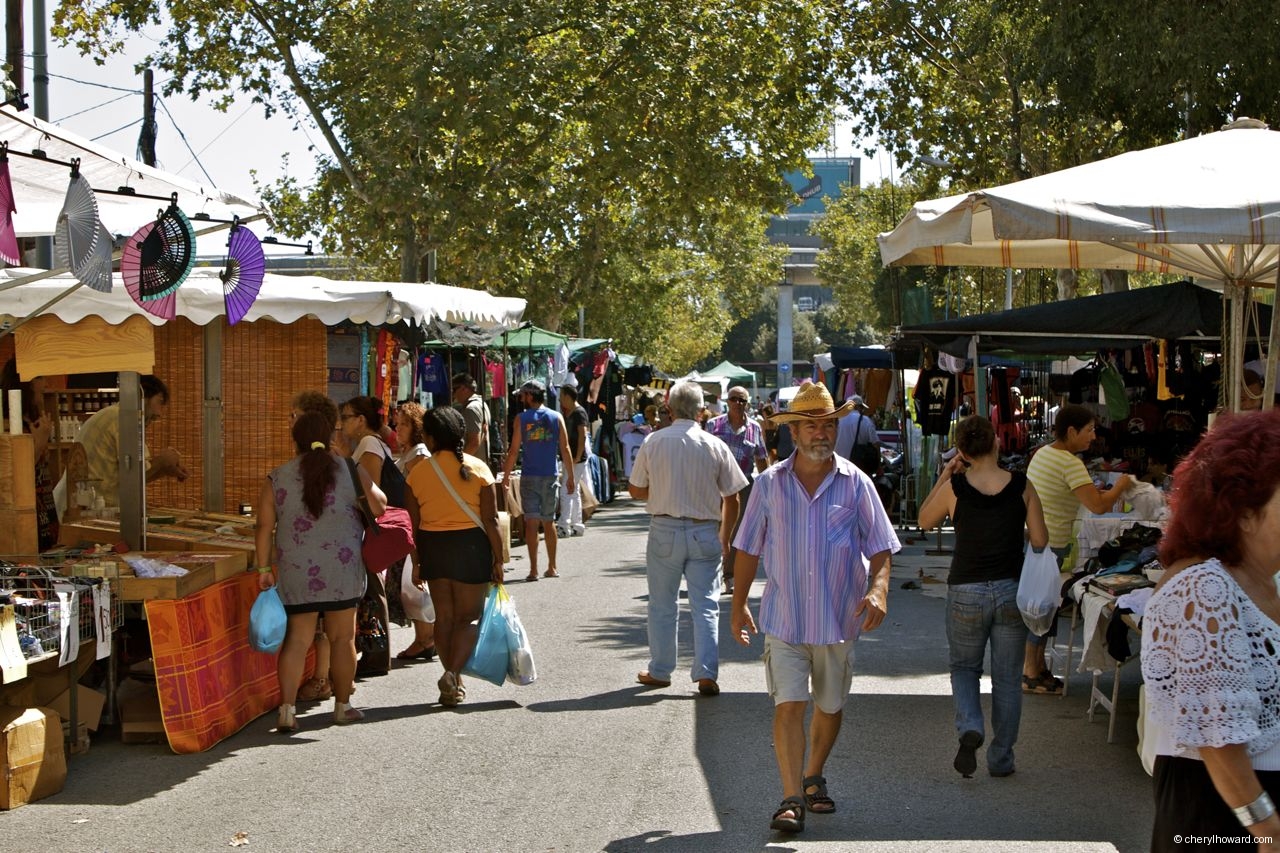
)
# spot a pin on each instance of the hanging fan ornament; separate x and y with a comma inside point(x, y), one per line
point(79, 233)
point(8, 237)
point(157, 259)
point(242, 277)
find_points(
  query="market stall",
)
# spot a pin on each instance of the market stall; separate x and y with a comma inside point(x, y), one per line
point(1200, 206)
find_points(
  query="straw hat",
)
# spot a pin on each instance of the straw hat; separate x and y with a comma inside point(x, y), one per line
point(812, 403)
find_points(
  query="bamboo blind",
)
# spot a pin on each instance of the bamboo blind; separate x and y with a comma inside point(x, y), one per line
point(264, 364)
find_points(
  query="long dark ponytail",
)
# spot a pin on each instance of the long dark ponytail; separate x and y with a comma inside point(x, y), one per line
point(311, 432)
point(448, 431)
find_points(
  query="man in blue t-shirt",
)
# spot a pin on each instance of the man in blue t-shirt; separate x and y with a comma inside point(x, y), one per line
point(541, 432)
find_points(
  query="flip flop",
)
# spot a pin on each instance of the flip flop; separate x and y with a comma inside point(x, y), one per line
point(551, 573)
point(530, 578)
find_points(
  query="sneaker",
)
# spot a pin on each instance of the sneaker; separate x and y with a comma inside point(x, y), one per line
point(579, 530)
point(966, 757)
point(562, 531)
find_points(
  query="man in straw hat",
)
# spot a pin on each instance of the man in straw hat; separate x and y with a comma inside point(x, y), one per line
point(689, 481)
point(826, 540)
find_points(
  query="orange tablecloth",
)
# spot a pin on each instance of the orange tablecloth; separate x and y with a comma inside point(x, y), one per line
point(211, 683)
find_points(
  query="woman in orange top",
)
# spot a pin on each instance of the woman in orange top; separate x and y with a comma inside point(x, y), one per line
point(459, 549)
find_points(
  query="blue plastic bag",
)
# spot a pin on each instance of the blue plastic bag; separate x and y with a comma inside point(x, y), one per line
point(491, 655)
point(267, 621)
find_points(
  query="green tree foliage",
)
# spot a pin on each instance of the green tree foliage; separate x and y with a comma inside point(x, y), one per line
point(571, 153)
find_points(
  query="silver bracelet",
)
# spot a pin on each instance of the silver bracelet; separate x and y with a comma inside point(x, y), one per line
point(1257, 811)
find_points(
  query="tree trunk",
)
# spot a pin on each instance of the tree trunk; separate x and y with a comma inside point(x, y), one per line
point(408, 250)
point(1068, 284)
point(1114, 281)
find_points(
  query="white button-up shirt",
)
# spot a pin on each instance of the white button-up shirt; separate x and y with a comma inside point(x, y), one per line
point(687, 472)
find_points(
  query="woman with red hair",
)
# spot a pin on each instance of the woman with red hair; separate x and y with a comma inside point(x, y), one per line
point(1211, 641)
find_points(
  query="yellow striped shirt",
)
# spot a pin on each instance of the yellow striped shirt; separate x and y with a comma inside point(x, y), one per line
point(1056, 474)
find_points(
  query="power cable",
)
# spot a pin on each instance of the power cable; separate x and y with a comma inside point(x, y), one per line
point(96, 107)
point(194, 156)
point(117, 130)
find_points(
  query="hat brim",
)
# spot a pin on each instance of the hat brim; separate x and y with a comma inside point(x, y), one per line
point(816, 415)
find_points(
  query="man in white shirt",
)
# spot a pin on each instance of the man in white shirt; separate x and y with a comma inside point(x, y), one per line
point(690, 481)
point(856, 434)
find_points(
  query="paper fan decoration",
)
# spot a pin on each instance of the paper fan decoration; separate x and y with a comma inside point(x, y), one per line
point(79, 233)
point(156, 260)
point(96, 271)
point(8, 237)
point(242, 278)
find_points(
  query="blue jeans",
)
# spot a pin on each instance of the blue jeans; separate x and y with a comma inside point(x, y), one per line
point(689, 549)
point(978, 613)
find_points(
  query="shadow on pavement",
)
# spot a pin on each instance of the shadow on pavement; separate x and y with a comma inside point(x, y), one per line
point(662, 840)
point(627, 697)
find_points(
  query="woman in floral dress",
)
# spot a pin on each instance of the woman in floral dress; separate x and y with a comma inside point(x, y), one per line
point(309, 531)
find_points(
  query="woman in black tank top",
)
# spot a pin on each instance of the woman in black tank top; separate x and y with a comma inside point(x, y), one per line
point(989, 508)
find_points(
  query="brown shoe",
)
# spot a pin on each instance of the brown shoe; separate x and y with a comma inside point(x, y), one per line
point(649, 681)
point(315, 690)
point(708, 687)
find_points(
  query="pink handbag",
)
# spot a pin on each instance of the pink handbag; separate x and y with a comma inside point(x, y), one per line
point(388, 538)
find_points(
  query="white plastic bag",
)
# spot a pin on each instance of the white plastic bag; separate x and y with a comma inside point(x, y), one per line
point(417, 602)
point(520, 668)
point(1039, 590)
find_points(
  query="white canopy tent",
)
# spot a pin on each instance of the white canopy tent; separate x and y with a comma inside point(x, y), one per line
point(40, 185)
point(1208, 206)
point(283, 298)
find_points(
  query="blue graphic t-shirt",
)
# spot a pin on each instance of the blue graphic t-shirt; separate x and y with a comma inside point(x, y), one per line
point(540, 441)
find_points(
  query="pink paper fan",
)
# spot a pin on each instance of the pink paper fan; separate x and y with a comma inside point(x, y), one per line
point(8, 237)
point(131, 270)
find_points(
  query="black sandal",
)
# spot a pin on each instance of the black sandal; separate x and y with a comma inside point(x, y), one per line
point(793, 806)
point(818, 802)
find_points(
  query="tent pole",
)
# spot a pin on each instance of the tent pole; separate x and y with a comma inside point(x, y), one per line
point(1234, 374)
point(979, 391)
point(1273, 341)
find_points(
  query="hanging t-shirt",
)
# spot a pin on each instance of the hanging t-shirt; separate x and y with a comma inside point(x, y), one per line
point(433, 376)
point(935, 399)
point(630, 447)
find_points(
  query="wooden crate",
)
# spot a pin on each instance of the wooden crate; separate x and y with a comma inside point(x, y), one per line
point(18, 532)
point(18, 469)
point(130, 588)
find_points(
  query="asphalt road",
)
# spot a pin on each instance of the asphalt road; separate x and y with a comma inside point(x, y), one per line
point(585, 759)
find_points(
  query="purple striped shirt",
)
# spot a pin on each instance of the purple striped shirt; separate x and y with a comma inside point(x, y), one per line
point(815, 550)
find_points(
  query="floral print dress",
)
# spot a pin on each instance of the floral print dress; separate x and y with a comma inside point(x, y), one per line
point(318, 560)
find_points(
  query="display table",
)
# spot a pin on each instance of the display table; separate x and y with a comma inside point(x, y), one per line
point(1098, 607)
point(1094, 530)
point(211, 683)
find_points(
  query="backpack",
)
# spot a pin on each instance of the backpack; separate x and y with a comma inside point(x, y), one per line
point(392, 482)
point(865, 455)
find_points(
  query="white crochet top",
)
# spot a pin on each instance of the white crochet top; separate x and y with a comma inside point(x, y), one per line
point(1211, 662)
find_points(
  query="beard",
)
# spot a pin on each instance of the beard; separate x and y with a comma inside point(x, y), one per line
point(819, 451)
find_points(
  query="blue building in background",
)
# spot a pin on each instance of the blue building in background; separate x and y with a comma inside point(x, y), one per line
point(830, 177)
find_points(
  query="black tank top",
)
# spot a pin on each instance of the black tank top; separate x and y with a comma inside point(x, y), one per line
point(989, 539)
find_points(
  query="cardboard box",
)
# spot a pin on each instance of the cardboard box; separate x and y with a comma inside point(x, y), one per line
point(139, 712)
point(504, 533)
point(89, 705)
point(80, 744)
point(34, 764)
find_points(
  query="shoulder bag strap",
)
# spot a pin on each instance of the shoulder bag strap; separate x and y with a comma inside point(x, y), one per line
point(362, 501)
point(453, 492)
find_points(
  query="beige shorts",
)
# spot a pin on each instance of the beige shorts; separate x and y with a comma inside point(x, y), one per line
point(789, 669)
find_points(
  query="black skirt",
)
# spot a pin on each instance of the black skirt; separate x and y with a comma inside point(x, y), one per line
point(1187, 805)
point(457, 555)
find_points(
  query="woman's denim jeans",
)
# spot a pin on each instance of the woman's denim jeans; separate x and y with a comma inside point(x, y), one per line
point(978, 613)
